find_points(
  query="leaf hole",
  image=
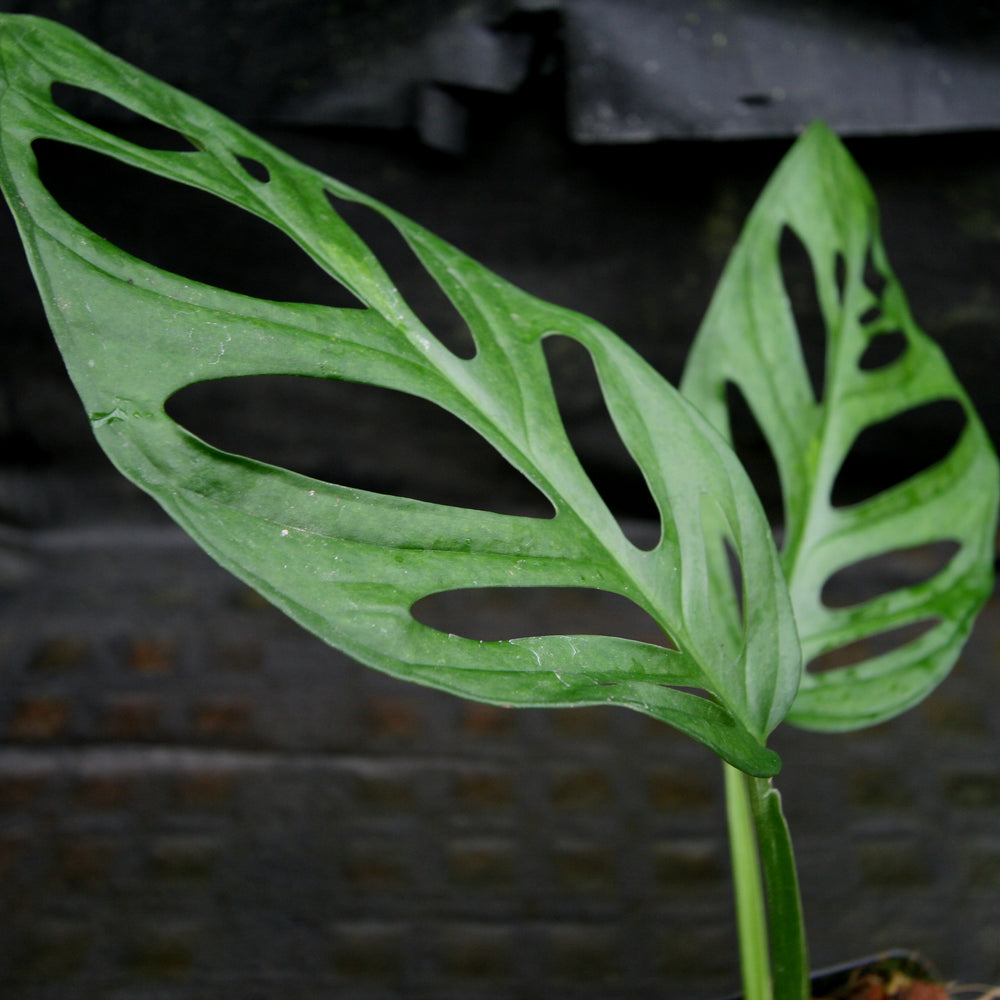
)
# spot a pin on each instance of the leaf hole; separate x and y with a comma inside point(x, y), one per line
point(103, 112)
point(254, 168)
point(735, 574)
point(418, 287)
point(883, 350)
point(871, 315)
point(359, 436)
point(877, 644)
point(492, 614)
point(892, 451)
point(887, 572)
point(607, 462)
point(754, 452)
point(840, 275)
point(874, 280)
point(182, 229)
point(800, 287)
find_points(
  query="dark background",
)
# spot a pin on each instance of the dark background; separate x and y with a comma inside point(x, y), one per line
point(600, 154)
point(197, 800)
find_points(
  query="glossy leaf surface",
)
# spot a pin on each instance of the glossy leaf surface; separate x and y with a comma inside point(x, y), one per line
point(348, 564)
point(750, 339)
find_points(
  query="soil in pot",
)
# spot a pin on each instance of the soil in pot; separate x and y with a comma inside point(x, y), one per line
point(865, 985)
point(897, 975)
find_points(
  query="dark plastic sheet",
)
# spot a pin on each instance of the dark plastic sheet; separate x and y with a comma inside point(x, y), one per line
point(634, 70)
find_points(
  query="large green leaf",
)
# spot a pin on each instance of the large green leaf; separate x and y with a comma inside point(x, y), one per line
point(749, 339)
point(350, 565)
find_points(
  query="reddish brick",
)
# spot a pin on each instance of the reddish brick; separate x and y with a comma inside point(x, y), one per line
point(487, 721)
point(373, 866)
point(394, 718)
point(385, 794)
point(11, 848)
point(204, 790)
point(57, 655)
point(42, 718)
point(484, 791)
point(673, 790)
point(152, 656)
point(83, 862)
point(586, 723)
point(954, 716)
point(583, 954)
point(132, 717)
point(482, 866)
point(182, 857)
point(476, 952)
point(223, 719)
point(244, 657)
point(582, 790)
point(368, 951)
point(20, 792)
point(103, 792)
point(585, 868)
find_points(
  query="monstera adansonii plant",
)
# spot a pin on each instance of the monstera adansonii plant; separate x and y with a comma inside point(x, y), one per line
point(744, 621)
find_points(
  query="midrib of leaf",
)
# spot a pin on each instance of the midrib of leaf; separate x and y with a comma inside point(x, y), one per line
point(576, 493)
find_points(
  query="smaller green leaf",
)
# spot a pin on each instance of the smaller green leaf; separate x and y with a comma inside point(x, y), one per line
point(749, 339)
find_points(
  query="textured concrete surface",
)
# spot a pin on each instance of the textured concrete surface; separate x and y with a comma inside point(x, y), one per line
point(199, 800)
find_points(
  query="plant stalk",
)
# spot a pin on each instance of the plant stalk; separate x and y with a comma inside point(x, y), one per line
point(751, 914)
point(773, 952)
point(789, 949)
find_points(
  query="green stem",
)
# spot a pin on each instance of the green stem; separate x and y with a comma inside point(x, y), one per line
point(773, 953)
point(751, 917)
point(789, 950)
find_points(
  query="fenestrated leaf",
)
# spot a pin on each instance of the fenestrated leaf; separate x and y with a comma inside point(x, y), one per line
point(348, 564)
point(750, 339)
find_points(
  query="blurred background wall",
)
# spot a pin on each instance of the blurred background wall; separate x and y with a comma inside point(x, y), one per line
point(600, 154)
point(198, 800)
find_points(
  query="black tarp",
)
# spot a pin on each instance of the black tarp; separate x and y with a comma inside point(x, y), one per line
point(634, 70)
